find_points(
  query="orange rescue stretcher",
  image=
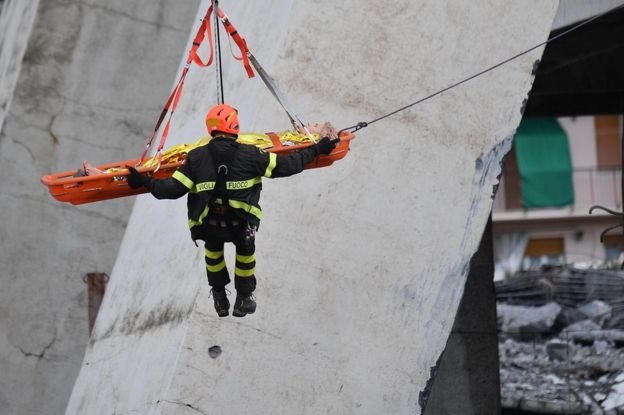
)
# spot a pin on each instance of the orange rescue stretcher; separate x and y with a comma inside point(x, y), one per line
point(64, 187)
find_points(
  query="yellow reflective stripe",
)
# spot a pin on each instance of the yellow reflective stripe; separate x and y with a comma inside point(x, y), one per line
point(213, 254)
point(216, 268)
point(243, 272)
point(245, 259)
point(179, 176)
point(200, 220)
point(244, 184)
point(246, 207)
point(271, 166)
point(202, 187)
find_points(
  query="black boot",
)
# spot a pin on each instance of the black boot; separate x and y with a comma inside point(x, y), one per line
point(221, 303)
point(244, 304)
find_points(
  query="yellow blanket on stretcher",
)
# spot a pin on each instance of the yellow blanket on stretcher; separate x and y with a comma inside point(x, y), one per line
point(177, 153)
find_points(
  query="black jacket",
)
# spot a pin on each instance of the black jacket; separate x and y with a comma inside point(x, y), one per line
point(247, 165)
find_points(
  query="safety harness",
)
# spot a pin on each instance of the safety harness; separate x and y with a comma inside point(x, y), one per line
point(219, 202)
point(220, 191)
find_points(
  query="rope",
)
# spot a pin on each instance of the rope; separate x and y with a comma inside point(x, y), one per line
point(220, 95)
point(364, 124)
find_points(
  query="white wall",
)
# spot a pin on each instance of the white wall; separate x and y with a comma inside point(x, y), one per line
point(361, 266)
point(582, 244)
point(16, 22)
point(78, 80)
point(581, 133)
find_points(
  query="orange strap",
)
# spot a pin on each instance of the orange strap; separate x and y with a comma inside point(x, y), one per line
point(206, 27)
point(170, 106)
point(275, 140)
point(174, 98)
point(240, 42)
point(199, 39)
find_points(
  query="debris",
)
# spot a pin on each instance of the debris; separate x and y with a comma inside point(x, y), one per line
point(522, 320)
point(569, 287)
point(582, 382)
point(557, 350)
point(615, 399)
point(582, 326)
point(597, 310)
point(615, 337)
point(572, 364)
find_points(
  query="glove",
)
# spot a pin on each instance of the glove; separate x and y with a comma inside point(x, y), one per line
point(136, 179)
point(325, 146)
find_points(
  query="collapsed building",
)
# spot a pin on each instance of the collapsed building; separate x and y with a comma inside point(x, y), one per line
point(561, 341)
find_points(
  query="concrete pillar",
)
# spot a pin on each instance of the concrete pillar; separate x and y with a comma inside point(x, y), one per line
point(78, 80)
point(362, 265)
point(466, 379)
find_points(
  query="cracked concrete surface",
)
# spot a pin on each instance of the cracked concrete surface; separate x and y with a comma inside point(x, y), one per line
point(361, 266)
point(77, 90)
point(185, 405)
point(132, 16)
point(40, 355)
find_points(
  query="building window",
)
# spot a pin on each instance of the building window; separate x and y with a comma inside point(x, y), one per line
point(545, 251)
point(608, 138)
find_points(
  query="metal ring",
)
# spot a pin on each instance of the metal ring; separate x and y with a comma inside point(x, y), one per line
point(106, 277)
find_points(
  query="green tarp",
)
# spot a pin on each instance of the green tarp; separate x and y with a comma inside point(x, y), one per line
point(544, 164)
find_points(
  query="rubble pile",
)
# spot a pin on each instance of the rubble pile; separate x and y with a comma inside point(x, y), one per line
point(569, 287)
point(559, 377)
point(561, 343)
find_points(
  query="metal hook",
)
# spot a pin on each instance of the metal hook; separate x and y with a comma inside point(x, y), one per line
point(159, 154)
point(609, 229)
point(591, 210)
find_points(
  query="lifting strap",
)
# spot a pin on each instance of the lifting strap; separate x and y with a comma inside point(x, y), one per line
point(245, 57)
point(279, 96)
point(174, 98)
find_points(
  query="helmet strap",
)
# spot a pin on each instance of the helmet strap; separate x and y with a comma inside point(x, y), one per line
point(221, 134)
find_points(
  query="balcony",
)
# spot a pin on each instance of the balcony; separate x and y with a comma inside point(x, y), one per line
point(592, 186)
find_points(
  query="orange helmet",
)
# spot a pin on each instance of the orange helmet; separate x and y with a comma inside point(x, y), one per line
point(222, 118)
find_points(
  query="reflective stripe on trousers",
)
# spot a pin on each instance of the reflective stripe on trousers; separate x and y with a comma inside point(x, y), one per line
point(218, 276)
point(216, 269)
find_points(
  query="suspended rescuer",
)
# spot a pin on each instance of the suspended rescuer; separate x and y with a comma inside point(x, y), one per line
point(223, 182)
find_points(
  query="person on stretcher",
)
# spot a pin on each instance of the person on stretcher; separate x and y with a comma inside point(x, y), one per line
point(325, 129)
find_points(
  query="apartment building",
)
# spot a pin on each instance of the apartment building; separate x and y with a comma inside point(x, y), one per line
point(559, 168)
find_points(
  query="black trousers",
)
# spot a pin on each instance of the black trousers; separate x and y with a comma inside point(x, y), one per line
point(217, 231)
